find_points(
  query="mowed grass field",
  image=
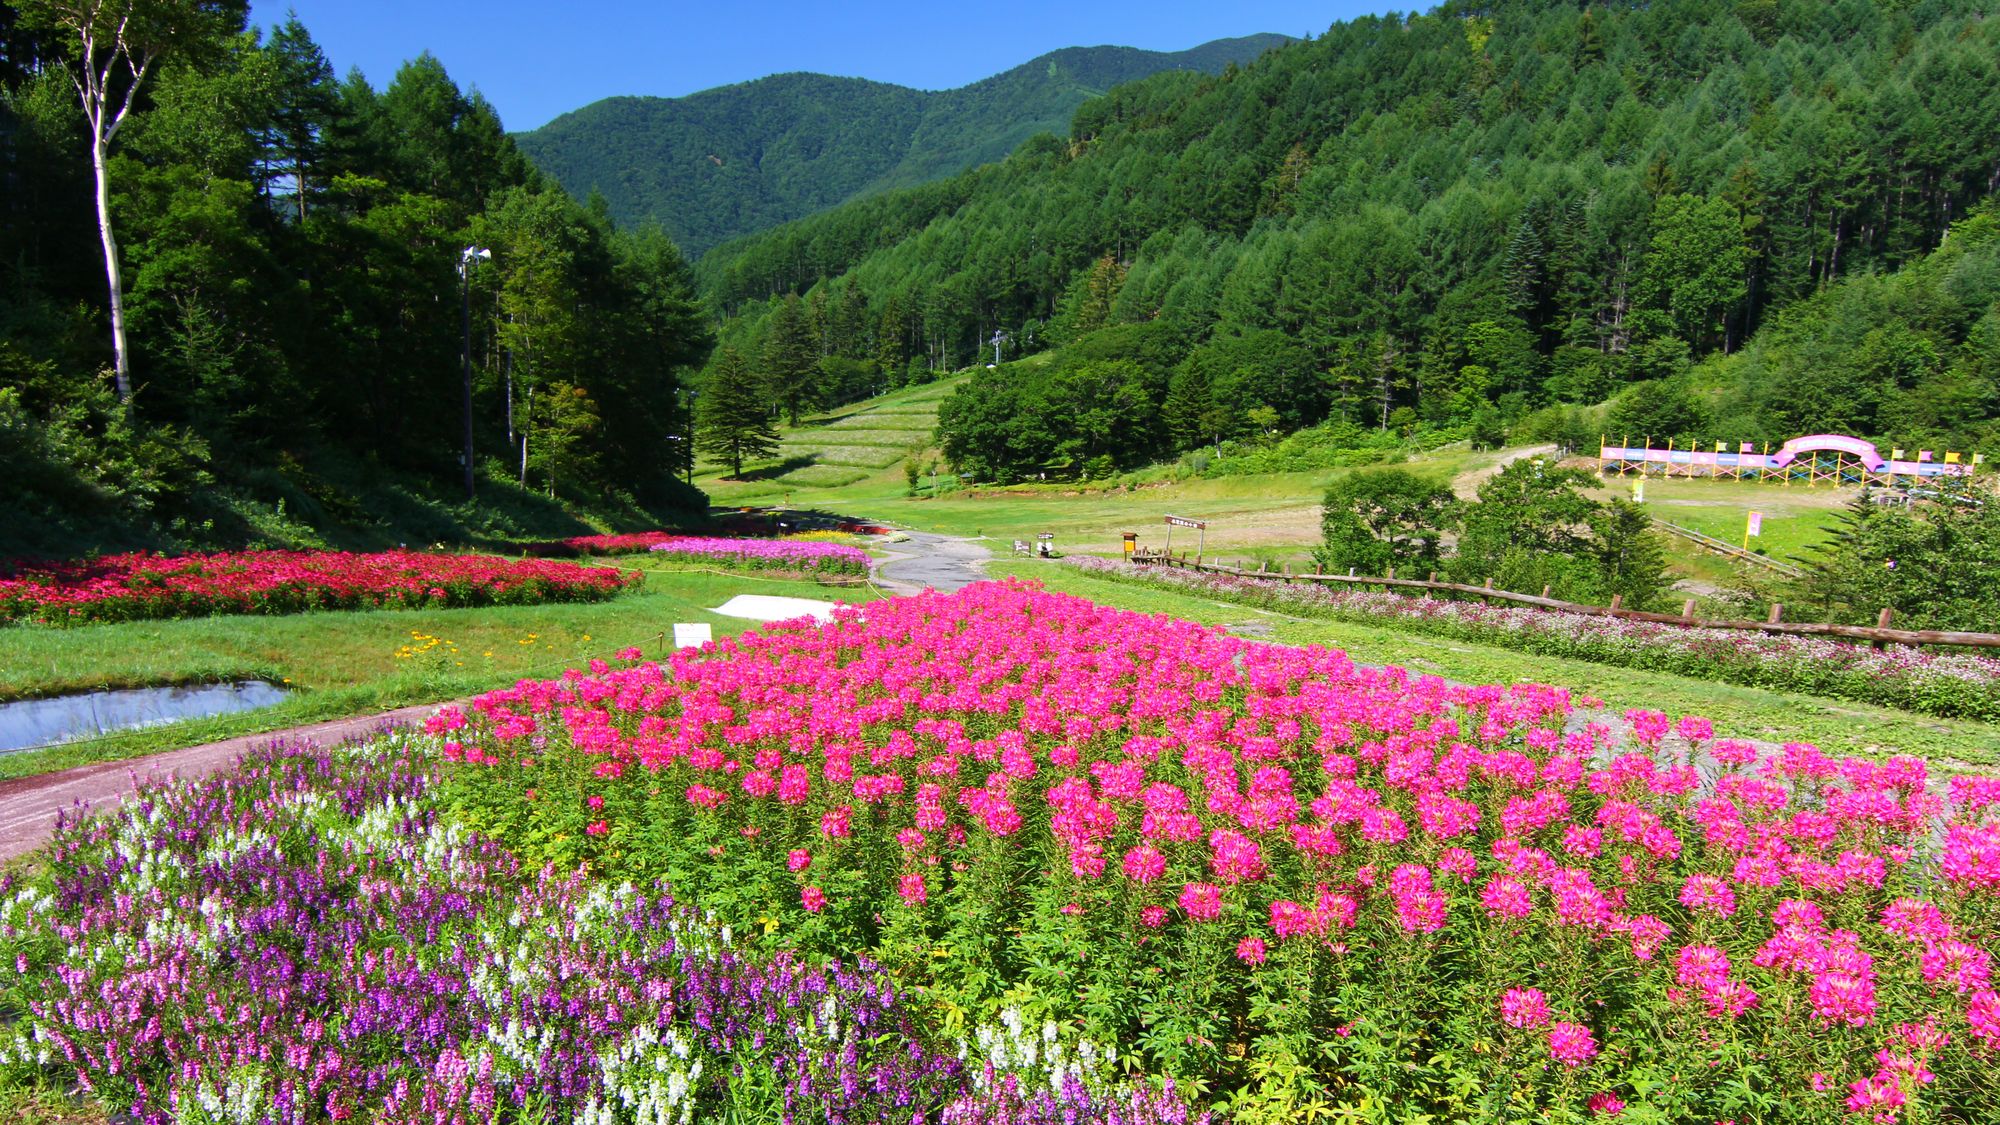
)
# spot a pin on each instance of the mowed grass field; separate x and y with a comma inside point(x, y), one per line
point(1738, 712)
point(342, 664)
point(850, 461)
point(861, 446)
point(1796, 518)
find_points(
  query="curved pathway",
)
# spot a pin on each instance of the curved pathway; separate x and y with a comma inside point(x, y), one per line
point(28, 805)
point(937, 561)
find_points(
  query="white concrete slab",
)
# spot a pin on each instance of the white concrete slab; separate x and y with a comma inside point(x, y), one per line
point(765, 607)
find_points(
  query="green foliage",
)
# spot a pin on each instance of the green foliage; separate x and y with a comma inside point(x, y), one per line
point(739, 159)
point(289, 245)
point(1932, 562)
point(731, 419)
point(1530, 528)
point(1383, 518)
point(1438, 222)
point(1631, 560)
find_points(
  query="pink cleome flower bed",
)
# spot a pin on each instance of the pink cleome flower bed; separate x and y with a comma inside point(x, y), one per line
point(767, 554)
point(141, 586)
point(1237, 860)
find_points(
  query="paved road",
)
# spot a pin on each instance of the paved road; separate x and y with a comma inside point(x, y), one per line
point(28, 805)
point(937, 561)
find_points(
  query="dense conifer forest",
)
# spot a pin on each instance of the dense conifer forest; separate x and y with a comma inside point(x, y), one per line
point(291, 245)
point(1731, 220)
point(1699, 220)
point(742, 158)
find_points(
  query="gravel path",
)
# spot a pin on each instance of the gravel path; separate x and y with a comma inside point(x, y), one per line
point(28, 805)
point(938, 561)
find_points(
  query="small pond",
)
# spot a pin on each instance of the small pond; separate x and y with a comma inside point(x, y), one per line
point(32, 723)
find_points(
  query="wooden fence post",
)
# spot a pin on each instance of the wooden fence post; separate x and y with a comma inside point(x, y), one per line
point(1617, 602)
point(1777, 612)
point(1546, 589)
point(1687, 610)
point(1882, 620)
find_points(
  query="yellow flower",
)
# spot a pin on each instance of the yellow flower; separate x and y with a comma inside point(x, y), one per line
point(586, 636)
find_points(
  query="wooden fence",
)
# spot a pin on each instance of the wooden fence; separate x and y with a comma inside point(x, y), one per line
point(1878, 635)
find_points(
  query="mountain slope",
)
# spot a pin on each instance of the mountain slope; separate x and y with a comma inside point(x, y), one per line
point(1435, 222)
point(742, 158)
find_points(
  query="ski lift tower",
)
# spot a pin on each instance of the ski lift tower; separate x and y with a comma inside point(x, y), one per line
point(999, 338)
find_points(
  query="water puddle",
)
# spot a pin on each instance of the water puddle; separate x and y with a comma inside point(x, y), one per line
point(33, 723)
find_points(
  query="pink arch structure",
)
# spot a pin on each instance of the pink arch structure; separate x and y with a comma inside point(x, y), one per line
point(1779, 463)
point(1864, 451)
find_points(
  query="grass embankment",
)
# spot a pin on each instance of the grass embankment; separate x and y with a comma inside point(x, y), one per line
point(1738, 712)
point(855, 450)
point(345, 664)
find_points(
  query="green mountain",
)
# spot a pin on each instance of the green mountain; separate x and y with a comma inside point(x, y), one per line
point(742, 158)
point(1449, 225)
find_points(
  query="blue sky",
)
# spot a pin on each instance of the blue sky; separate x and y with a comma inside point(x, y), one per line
point(534, 60)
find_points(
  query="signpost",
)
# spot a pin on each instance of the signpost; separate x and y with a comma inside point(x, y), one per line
point(1753, 525)
point(1201, 530)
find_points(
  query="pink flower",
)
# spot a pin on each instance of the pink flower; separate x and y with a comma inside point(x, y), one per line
point(1571, 1044)
point(1202, 902)
point(797, 860)
point(1144, 864)
point(1236, 857)
point(1524, 1008)
point(835, 824)
point(1879, 1096)
point(1250, 951)
point(1153, 917)
point(1983, 1013)
point(813, 899)
point(596, 828)
point(1506, 897)
point(594, 802)
point(1710, 894)
point(912, 888)
point(1606, 1104)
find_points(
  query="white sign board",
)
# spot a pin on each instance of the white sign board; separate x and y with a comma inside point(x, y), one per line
point(692, 636)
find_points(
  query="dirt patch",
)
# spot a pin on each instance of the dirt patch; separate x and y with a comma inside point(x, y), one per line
point(1466, 485)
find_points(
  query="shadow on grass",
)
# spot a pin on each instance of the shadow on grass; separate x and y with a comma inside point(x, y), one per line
point(777, 469)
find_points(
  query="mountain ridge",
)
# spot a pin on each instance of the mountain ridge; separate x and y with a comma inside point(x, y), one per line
point(739, 158)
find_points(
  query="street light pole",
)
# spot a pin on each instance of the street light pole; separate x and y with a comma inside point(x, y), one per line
point(688, 421)
point(465, 260)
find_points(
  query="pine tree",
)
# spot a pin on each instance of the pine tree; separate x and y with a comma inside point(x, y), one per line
point(791, 360)
point(306, 100)
point(731, 419)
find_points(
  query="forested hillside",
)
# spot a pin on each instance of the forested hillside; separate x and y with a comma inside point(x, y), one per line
point(1449, 222)
point(290, 247)
point(743, 158)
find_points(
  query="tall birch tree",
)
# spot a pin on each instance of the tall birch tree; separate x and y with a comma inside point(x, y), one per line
point(117, 45)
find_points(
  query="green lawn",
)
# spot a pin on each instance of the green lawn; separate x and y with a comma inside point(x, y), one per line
point(854, 450)
point(1738, 712)
point(344, 664)
point(1795, 518)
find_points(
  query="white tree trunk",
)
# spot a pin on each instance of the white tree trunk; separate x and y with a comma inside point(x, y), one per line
point(122, 362)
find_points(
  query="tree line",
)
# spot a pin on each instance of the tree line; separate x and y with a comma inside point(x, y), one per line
point(287, 251)
point(1476, 218)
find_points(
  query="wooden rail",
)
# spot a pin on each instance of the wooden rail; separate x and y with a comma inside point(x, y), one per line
point(1730, 550)
point(1878, 635)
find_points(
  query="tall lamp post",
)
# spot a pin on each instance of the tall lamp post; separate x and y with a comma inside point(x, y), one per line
point(465, 260)
point(688, 422)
